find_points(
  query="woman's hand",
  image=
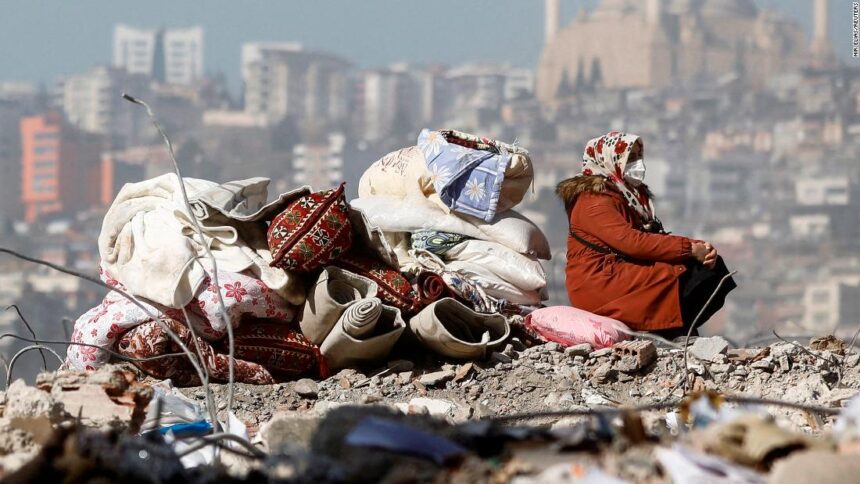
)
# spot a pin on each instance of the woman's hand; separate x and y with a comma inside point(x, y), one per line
point(705, 253)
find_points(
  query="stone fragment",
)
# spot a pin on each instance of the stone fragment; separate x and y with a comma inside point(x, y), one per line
point(582, 350)
point(634, 355)
point(435, 378)
point(601, 353)
point(708, 348)
point(852, 360)
point(764, 365)
point(463, 371)
point(306, 388)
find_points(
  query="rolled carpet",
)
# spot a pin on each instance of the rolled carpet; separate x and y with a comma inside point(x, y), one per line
point(360, 318)
point(431, 287)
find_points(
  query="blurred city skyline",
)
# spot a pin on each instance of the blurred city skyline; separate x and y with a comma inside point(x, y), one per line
point(41, 41)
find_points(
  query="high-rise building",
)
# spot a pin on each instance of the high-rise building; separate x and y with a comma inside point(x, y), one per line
point(174, 56)
point(285, 80)
point(61, 167)
point(319, 165)
point(92, 101)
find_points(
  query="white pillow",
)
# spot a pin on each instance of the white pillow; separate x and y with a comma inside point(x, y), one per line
point(495, 286)
point(522, 271)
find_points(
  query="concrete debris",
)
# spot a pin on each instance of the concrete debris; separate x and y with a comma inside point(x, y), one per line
point(828, 343)
point(635, 355)
point(436, 378)
point(707, 349)
point(288, 430)
point(513, 381)
point(582, 350)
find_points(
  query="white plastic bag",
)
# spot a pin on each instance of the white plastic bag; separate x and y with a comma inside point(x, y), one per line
point(522, 271)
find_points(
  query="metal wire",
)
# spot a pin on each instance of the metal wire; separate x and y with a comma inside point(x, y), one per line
point(693, 326)
point(217, 437)
point(122, 293)
point(32, 333)
point(225, 319)
point(21, 352)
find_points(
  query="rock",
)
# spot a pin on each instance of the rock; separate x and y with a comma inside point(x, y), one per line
point(306, 388)
point(435, 407)
point(634, 355)
point(852, 360)
point(582, 350)
point(404, 377)
point(707, 349)
point(741, 371)
point(435, 378)
point(551, 400)
point(553, 347)
point(496, 358)
point(287, 429)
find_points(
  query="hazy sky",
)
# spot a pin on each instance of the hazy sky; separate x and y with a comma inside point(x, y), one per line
point(42, 39)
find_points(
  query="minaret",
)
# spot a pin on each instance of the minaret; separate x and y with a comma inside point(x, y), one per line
point(551, 20)
point(822, 52)
point(654, 11)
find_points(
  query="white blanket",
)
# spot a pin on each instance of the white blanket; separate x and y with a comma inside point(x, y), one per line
point(148, 243)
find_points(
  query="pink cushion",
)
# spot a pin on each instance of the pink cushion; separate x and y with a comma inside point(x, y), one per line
point(571, 326)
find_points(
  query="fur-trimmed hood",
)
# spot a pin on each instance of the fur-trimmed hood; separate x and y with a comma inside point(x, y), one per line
point(568, 190)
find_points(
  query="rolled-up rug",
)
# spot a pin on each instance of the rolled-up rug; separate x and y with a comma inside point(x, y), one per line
point(431, 287)
point(357, 339)
point(334, 291)
point(452, 329)
point(360, 318)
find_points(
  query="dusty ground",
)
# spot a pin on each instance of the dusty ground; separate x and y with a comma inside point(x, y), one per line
point(550, 378)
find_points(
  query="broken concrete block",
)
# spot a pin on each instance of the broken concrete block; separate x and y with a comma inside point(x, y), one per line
point(286, 429)
point(635, 355)
point(32, 410)
point(707, 349)
point(764, 365)
point(110, 397)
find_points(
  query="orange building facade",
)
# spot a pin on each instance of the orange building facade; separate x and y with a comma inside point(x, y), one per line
point(61, 168)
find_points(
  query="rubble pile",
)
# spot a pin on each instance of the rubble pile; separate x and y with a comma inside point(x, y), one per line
point(543, 413)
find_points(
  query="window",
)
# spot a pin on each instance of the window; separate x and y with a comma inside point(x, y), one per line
point(44, 149)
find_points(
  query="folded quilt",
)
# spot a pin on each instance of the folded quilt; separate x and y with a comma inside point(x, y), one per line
point(467, 180)
point(243, 296)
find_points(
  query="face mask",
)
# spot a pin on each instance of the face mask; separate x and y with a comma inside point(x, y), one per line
point(635, 172)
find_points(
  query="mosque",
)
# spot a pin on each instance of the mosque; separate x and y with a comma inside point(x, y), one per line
point(657, 43)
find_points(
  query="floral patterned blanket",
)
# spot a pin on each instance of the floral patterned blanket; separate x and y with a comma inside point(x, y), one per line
point(117, 318)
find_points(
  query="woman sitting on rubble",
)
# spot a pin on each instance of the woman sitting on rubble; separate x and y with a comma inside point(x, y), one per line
point(620, 262)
